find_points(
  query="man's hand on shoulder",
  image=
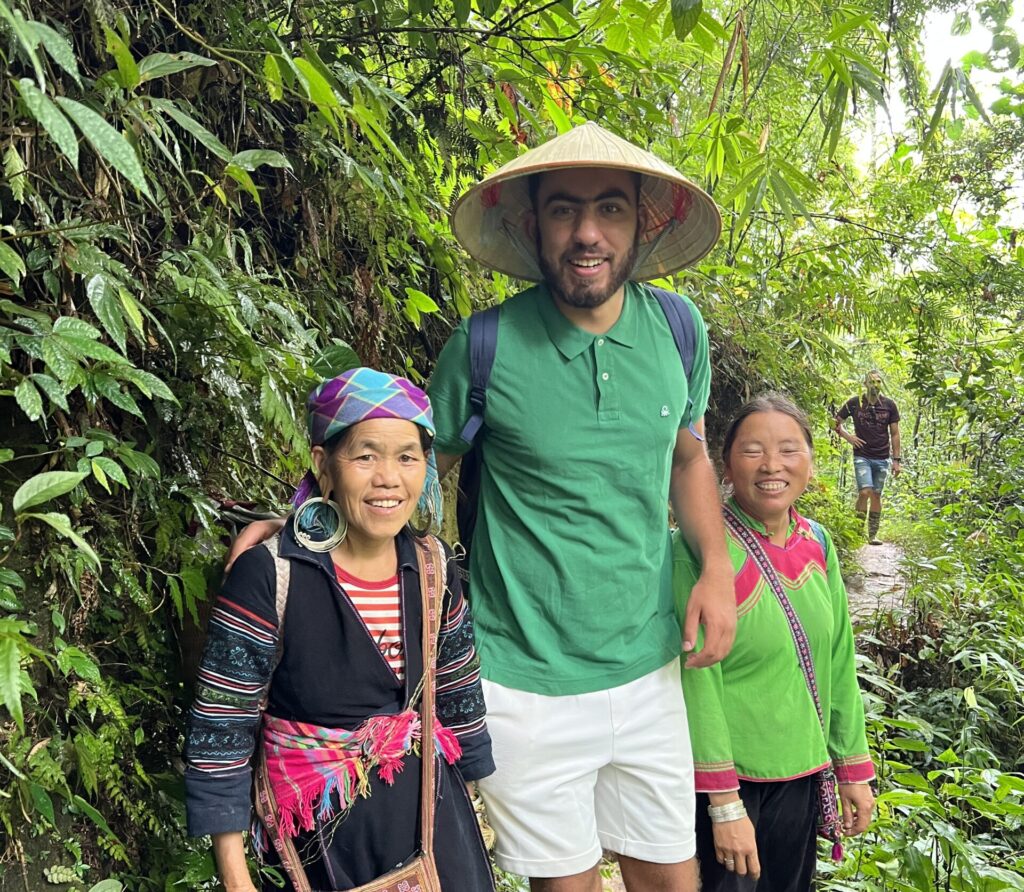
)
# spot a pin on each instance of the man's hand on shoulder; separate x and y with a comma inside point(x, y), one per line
point(712, 604)
point(255, 533)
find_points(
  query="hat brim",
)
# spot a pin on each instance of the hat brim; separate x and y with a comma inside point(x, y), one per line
point(682, 224)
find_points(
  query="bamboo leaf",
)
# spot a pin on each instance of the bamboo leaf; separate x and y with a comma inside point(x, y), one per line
point(44, 487)
point(845, 27)
point(203, 136)
point(243, 179)
point(320, 92)
point(110, 144)
point(162, 64)
point(685, 14)
point(50, 117)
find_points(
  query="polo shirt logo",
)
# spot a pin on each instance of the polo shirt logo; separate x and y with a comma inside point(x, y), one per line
point(664, 411)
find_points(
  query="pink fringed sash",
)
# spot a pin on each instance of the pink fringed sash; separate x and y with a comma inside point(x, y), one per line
point(306, 763)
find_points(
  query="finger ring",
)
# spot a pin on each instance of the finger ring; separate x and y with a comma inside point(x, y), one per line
point(730, 860)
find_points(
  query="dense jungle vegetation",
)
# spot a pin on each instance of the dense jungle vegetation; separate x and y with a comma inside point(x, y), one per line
point(205, 206)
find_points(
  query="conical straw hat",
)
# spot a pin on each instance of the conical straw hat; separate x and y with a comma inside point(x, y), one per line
point(682, 225)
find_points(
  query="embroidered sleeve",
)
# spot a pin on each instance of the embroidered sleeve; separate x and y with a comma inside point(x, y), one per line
point(713, 767)
point(847, 743)
point(233, 677)
point(460, 699)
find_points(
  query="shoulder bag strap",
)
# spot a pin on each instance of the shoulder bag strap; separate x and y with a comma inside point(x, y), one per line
point(803, 648)
point(431, 564)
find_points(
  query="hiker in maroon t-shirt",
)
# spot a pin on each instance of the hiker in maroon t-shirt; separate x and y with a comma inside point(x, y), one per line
point(876, 438)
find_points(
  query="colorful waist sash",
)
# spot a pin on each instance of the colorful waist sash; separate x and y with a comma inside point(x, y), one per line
point(307, 764)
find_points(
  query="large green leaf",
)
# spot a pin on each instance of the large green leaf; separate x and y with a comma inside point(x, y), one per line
point(107, 305)
point(11, 264)
point(62, 524)
point(50, 117)
point(10, 676)
point(163, 64)
point(29, 400)
point(250, 159)
point(58, 48)
point(45, 486)
point(685, 14)
point(190, 124)
point(337, 358)
point(108, 143)
point(28, 38)
point(127, 70)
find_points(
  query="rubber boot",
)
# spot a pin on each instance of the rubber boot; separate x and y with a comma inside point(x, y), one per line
point(874, 519)
point(862, 517)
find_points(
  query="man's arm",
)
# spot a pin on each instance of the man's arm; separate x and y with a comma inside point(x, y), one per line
point(852, 439)
point(712, 604)
point(897, 455)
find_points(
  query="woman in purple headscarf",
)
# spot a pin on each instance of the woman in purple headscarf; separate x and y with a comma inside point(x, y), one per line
point(336, 743)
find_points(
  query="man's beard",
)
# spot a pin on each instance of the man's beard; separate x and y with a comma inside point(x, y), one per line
point(585, 295)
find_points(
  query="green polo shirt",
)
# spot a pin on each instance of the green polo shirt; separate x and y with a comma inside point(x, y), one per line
point(571, 572)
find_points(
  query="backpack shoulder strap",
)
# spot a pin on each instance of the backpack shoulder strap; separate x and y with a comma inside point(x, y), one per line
point(483, 347)
point(282, 579)
point(679, 316)
point(680, 320)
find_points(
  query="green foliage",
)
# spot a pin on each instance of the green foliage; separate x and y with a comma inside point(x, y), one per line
point(206, 208)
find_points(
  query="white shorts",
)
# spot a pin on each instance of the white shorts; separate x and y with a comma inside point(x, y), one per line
point(610, 769)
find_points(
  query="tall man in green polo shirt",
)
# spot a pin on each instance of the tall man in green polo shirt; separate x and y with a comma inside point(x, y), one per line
point(590, 427)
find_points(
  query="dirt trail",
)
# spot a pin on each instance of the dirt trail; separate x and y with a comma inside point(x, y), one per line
point(878, 587)
point(881, 584)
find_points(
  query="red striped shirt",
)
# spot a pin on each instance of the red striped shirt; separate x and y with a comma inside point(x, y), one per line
point(379, 606)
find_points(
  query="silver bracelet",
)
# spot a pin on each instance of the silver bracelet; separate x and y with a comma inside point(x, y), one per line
point(731, 811)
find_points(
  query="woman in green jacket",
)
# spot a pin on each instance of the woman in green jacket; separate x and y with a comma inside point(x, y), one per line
point(779, 722)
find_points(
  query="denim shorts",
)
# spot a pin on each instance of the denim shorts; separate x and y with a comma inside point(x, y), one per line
point(871, 472)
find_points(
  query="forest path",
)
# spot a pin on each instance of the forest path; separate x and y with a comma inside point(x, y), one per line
point(878, 587)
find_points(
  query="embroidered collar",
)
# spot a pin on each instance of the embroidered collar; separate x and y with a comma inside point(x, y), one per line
point(757, 526)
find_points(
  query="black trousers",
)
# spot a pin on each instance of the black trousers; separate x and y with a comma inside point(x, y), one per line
point(784, 815)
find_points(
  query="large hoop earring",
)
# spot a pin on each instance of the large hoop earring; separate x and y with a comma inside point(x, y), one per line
point(320, 545)
point(421, 532)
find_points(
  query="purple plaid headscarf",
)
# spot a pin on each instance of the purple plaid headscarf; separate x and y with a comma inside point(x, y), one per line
point(359, 395)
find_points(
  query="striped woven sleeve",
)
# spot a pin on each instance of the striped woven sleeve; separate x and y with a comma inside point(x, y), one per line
point(234, 675)
point(460, 699)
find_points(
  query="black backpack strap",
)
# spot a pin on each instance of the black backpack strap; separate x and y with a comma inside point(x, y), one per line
point(684, 331)
point(483, 346)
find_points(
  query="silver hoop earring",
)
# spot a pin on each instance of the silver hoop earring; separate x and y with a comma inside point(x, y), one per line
point(334, 539)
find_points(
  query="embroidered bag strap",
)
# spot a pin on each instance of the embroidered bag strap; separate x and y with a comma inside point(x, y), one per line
point(431, 564)
point(829, 823)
